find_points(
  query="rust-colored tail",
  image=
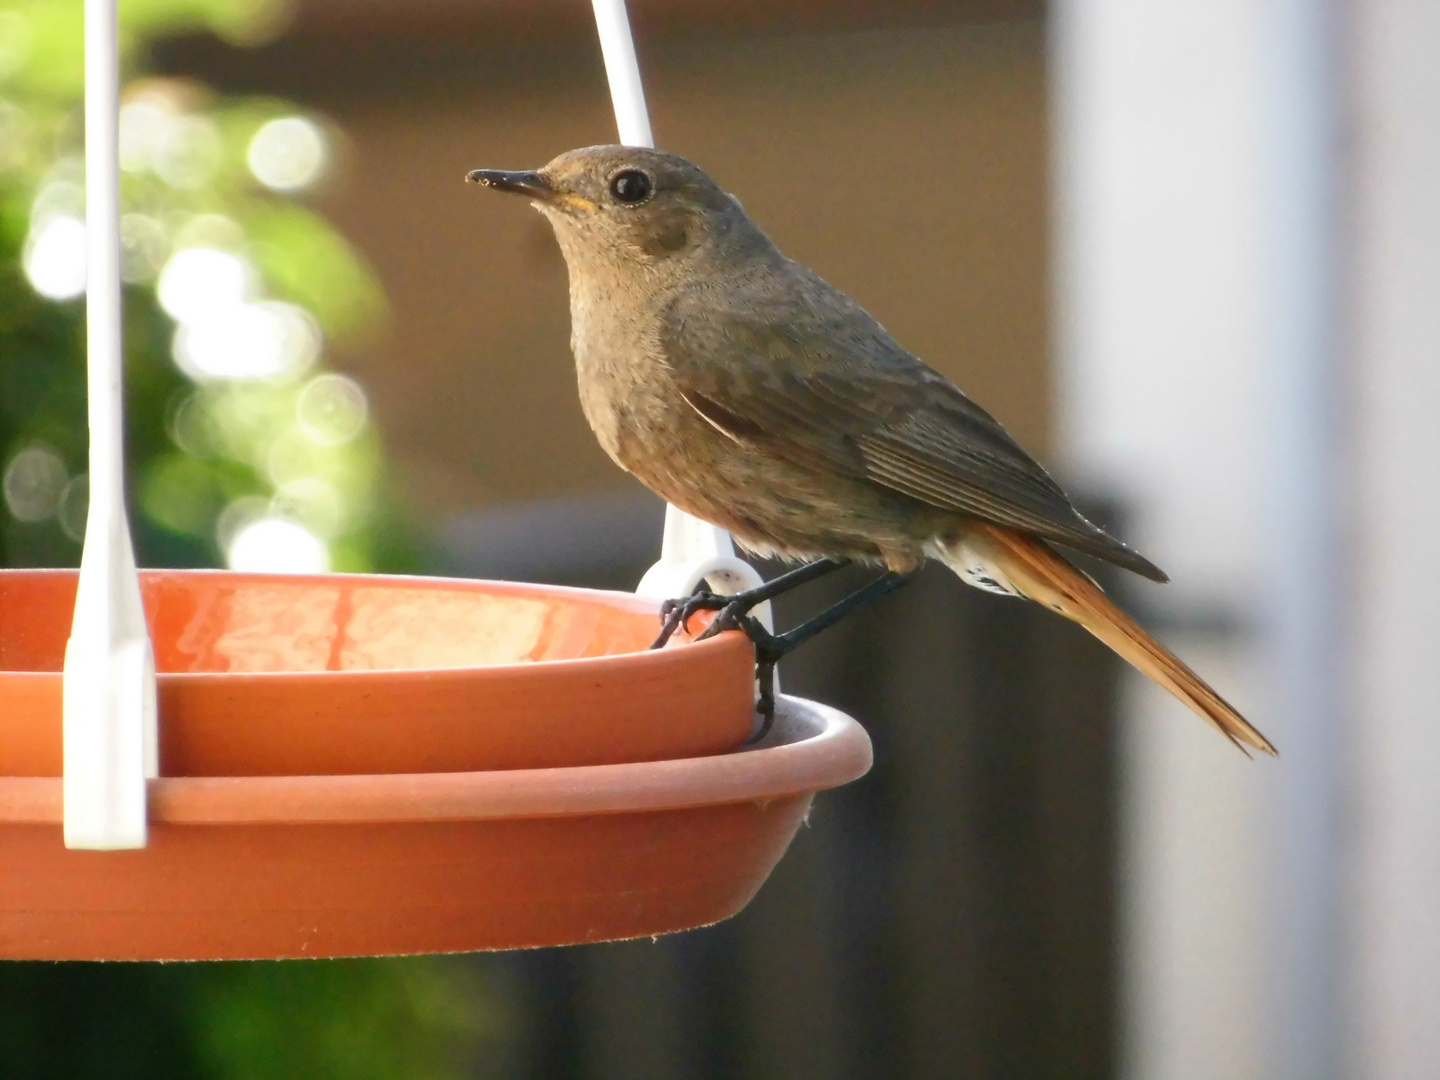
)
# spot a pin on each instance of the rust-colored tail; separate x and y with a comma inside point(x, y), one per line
point(1040, 573)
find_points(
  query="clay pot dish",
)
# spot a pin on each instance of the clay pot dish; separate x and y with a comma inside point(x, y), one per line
point(267, 675)
point(435, 862)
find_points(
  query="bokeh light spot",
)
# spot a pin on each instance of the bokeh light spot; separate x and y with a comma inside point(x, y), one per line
point(33, 483)
point(332, 409)
point(276, 546)
point(54, 257)
point(268, 340)
point(61, 196)
point(239, 516)
point(288, 154)
point(143, 247)
point(145, 127)
point(210, 231)
point(199, 282)
point(312, 502)
point(189, 425)
point(75, 507)
point(190, 154)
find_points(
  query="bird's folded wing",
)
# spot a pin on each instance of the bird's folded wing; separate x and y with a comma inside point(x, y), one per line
point(827, 388)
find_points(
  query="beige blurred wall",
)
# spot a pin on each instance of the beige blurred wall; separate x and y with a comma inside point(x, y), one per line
point(905, 163)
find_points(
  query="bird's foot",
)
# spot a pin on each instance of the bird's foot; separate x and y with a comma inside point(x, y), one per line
point(769, 648)
point(677, 613)
point(734, 615)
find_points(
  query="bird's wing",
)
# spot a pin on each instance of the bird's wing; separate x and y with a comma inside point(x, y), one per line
point(823, 385)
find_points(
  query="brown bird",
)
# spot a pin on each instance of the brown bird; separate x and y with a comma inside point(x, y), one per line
point(743, 388)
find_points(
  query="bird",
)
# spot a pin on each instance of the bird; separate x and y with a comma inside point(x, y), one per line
point(743, 388)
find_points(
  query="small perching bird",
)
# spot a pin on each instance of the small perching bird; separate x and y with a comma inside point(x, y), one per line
point(746, 390)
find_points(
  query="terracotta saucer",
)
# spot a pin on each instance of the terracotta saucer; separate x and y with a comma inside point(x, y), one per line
point(433, 862)
point(350, 674)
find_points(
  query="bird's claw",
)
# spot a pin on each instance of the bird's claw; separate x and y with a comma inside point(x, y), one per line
point(734, 615)
point(769, 648)
point(676, 613)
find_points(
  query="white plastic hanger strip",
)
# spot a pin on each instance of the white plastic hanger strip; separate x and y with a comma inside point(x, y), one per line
point(110, 745)
point(692, 550)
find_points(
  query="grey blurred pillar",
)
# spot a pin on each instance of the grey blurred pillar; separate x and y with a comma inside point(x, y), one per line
point(1308, 553)
point(1395, 739)
point(1195, 195)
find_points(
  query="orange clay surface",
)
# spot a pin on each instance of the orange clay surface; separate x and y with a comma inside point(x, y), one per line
point(293, 866)
point(347, 674)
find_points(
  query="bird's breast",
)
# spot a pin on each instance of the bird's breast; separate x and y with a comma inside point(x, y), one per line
point(626, 389)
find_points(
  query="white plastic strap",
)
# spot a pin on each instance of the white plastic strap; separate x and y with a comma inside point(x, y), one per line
point(692, 551)
point(110, 745)
point(623, 70)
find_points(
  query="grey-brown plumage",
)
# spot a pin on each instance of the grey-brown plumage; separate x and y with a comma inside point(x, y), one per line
point(745, 389)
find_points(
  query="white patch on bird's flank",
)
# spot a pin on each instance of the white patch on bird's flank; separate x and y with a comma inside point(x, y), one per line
point(728, 434)
point(761, 550)
point(969, 558)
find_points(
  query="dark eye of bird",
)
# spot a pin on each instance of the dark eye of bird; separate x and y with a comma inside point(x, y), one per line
point(631, 186)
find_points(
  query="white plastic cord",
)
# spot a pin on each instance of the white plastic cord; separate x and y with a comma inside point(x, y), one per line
point(110, 745)
point(692, 551)
point(623, 70)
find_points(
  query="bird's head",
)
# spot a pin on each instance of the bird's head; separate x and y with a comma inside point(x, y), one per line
point(626, 206)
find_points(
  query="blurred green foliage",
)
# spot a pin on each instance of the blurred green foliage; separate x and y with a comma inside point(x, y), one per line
point(409, 1018)
point(216, 439)
point(414, 1018)
point(291, 442)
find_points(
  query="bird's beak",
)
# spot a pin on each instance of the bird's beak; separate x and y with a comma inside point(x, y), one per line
point(531, 184)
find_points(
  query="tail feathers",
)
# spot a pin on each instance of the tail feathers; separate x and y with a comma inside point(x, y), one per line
point(1036, 571)
point(1104, 546)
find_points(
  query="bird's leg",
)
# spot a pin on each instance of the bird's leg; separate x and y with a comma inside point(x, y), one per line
point(676, 613)
point(770, 648)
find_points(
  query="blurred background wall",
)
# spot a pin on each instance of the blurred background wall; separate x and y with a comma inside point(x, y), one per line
point(1245, 228)
point(1196, 188)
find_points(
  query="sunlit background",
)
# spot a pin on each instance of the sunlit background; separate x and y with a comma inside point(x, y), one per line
point(248, 451)
point(1186, 252)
